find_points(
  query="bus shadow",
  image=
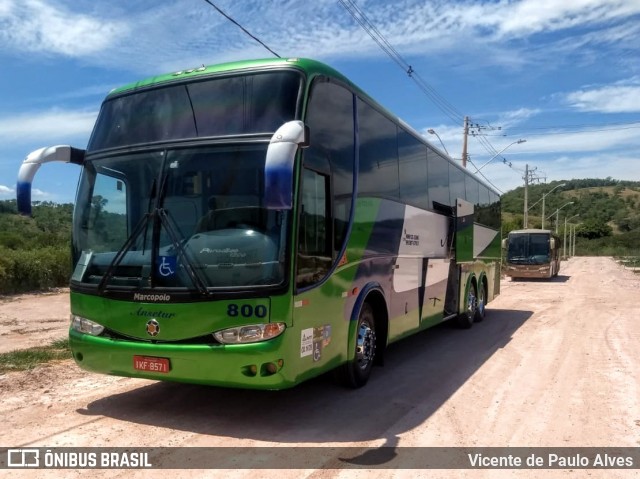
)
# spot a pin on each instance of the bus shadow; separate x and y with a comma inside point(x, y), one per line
point(557, 279)
point(420, 374)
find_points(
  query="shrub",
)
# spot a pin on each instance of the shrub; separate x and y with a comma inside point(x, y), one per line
point(31, 270)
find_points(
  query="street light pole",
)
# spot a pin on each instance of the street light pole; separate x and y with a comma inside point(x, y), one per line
point(572, 240)
point(573, 253)
point(556, 213)
point(498, 154)
point(564, 245)
point(433, 132)
point(544, 196)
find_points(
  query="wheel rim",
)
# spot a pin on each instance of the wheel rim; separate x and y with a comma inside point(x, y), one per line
point(472, 302)
point(365, 345)
point(481, 301)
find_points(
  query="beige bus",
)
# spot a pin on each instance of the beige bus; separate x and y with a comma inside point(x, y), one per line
point(531, 253)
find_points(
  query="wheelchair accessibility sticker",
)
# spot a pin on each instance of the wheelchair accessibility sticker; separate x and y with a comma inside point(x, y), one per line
point(167, 266)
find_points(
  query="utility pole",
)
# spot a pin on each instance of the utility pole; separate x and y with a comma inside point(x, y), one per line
point(464, 141)
point(529, 177)
point(526, 196)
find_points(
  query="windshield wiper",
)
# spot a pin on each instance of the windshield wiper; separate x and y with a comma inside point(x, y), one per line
point(159, 216)
point(141, 226)
point(196, 279)
point(177, 244)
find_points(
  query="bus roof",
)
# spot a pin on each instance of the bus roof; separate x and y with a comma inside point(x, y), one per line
point(305, 64)
point(531, 230)
point(309, 66)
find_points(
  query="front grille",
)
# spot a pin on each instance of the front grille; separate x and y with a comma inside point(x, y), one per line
point(207, 339)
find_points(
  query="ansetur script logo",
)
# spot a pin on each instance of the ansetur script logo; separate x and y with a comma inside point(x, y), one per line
point(151, 297)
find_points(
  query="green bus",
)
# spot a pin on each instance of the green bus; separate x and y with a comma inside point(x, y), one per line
point(259, 223)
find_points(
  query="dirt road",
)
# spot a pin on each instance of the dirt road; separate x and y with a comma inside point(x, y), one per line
point(554, 364)
point(29, 320)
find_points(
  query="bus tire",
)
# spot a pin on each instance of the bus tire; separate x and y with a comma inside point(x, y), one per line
point(481, 303)
point(355, 372)
point(466, 318)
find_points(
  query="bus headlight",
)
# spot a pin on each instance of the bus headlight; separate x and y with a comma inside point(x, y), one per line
point(252, 333)
point(85, 325)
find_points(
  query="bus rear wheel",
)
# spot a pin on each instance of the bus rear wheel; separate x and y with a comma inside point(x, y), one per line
point(355, 372)
point(467, 317)
point(481, 303)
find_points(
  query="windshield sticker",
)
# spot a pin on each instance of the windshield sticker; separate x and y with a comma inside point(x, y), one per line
point(167, 266)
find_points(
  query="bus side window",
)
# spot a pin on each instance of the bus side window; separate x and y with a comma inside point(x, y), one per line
point(107, 222)
point(314, 235)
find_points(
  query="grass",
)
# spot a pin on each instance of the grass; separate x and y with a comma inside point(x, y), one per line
point(24, 359)
point(630, 262)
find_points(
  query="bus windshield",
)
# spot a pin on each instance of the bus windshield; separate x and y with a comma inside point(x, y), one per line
point(178, 218)
point(230, 105)
point(528, 248)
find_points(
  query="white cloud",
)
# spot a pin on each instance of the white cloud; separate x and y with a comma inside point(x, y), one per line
point(154, 37)
point(532, 16)
point(512, 118)
point(594, 152)
point(588, 139)
point(46, 126)
point(564, 167)
point(608, 99)
point(5, 190)
point(39, 26)
point(38, 194)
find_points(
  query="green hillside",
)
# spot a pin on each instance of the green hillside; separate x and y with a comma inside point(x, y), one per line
point(608, 221)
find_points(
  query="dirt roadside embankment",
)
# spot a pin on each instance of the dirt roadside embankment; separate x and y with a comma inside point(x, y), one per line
point(30, 320)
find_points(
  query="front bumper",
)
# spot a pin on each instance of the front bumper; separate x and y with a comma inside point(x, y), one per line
point(263, 365)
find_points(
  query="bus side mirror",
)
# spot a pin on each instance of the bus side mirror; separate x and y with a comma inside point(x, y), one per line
point(505, 243)
point(279, 165)
point(552, 243)
point(32, 162)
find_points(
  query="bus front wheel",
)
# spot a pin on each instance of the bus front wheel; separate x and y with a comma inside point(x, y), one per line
point(355, 372)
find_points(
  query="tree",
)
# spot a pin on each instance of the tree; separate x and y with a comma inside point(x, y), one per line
point(592, 229)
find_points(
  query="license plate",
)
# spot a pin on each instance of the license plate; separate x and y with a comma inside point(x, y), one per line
point(149, 363)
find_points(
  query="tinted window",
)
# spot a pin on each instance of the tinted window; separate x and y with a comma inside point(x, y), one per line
point(494, 210)
point(257, 103)
point(471, 190)
point(484, 215)
point(438, 179)
point(413, 170)
point(330, 121)
point(456, 184)
point(378, 174)
point(155, 115)
point(314, 245)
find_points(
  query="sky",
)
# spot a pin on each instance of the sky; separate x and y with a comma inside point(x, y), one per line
point(562, 75)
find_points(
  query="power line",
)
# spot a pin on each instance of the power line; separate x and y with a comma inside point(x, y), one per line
point(366, 24)
point(630, 124)
point(485, 178)
point(241, 28)
point(490, 149)
point(571, 132)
